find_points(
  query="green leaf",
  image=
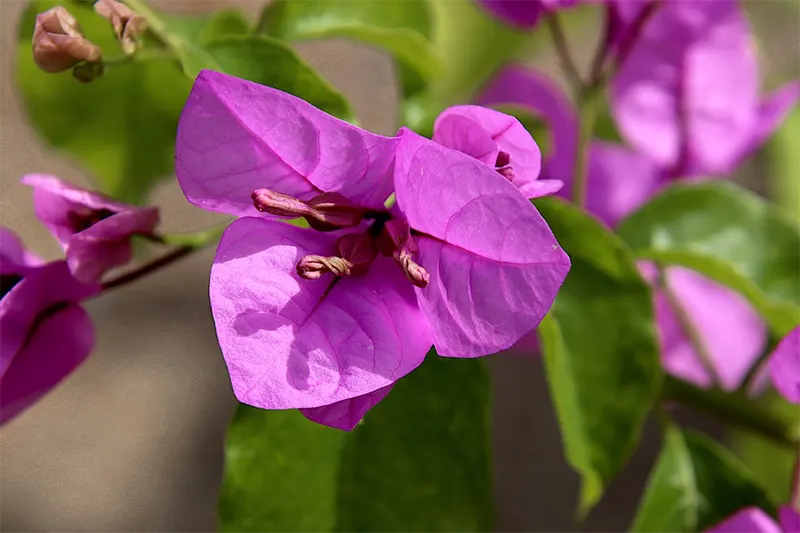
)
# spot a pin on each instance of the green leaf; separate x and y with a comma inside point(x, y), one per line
point(401, 27)
point(670, 499)
point(695, 484)
point(280, 473)
point(215, 45)
point(270, 62)
point(600, 349)
point(772, 463)
point(730, 235)
point(784, 163)
point(120, 127)
point(421, 459)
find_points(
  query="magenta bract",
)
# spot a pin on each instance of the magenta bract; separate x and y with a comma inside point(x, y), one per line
point(45, 333)
point(784, 366)
point(326, 319)
point(94, 230)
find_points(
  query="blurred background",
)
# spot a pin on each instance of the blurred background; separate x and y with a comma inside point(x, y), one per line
point(133, 440)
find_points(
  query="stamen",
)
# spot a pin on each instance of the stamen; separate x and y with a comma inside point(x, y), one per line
point(413, 271)
point(314, 266)
point(325, 212)
point(396, 241)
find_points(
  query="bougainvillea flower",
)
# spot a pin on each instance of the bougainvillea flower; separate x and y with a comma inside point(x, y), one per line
point(688, 96)
point(326, 319)
point(45, 333)
point(754, 520)
point(500, 141)
point(784, 366)
point(523, 14)
point(620, 181)
point(94, 230)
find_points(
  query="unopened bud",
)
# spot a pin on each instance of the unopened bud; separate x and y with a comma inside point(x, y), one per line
point(314, 266)
point(360, 249)
point(58, 43)
point(128, 25)
point(503, 166)
point(325, 212)
point(413, 271)
point(278, 204)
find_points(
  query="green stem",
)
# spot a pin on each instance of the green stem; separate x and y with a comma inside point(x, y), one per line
point(691, 332)
point(186, 243)
point(263, 20)
point(138, 57)
point(553, 23)
point(588, 102)
point(735, 409)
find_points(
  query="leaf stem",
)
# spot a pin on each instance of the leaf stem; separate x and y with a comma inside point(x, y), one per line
point(754, 370)
point(587, 117)
point(148, 268)
point(733, 408)
point(689, 329)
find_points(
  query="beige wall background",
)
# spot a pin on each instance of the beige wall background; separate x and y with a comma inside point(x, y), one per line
point(133, 440)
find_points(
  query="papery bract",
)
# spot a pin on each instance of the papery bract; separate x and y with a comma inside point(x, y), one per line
point(490, 136)
point(292, 343)
point(46, 335)
point(495, 266)
point(322, 321)
point(620, 181)
point(237, 136)
point(94, 230)
point(687, 96)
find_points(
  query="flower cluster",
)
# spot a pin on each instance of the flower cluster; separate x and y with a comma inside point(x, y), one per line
point(46, 333)
point(685, 96)
point(327, 318)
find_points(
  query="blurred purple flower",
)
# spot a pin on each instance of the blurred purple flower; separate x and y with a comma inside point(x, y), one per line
point(754, 520)
point(784, 366)
point(500, 141)
point(45, 333)
point(327, 321)
point(620, 181)
point(94, 230)
point(523, 14)
point(687, 95)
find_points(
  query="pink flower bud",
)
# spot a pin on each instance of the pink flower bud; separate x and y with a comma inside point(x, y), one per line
point(325, 212)
point(128, 25)
point(413, 271)
point(334, 211)
point(278, 204)
point(314, 266)
point(395, 235)
point(58, 43)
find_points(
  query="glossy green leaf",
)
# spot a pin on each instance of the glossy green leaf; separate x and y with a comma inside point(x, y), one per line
point(670, 499)
point(281, 473)
point(600, 349)
point(730, 235)
point(695, 484)
point(771, 462)
point(120, 127)
point(270, 62)
point(215, 46)
point(401, 27)
point(421, 459)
